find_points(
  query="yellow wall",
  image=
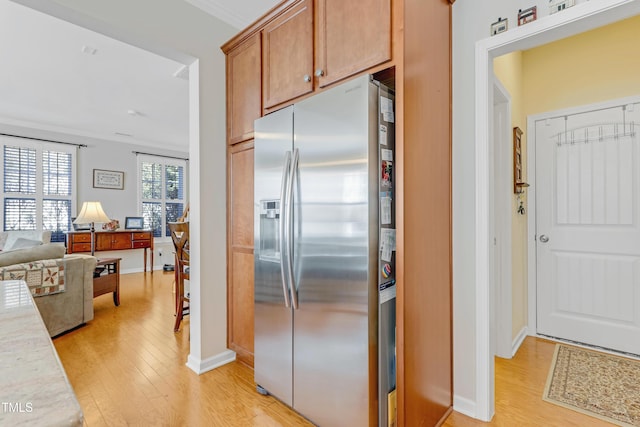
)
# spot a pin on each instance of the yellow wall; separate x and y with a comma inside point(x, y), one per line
point(595, 66)
point(508, 69)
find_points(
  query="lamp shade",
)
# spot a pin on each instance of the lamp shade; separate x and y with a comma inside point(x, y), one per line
point(91, 212)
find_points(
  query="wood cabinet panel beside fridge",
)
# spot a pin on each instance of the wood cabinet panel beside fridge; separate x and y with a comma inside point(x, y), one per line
point(405, 44)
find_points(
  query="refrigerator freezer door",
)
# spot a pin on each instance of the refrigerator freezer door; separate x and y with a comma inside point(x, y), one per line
point(334, 269)
point(273, 319)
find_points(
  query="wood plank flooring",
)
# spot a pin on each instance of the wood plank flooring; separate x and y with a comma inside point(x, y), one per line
point(519, 386)
point(127, 367)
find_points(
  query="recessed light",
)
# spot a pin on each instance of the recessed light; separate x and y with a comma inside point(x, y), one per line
point(123, 134)
point(89, 50)
point(133, 113)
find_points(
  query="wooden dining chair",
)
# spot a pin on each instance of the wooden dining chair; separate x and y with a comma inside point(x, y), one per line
point(180, 236)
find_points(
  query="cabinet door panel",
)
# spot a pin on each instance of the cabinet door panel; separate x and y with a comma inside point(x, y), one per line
point(241, 306)
point(103, 241)
point(121, 241)
point(240, 248)
point(243, 90)
point(241, 195)
point(287, 55)
point(346, 46)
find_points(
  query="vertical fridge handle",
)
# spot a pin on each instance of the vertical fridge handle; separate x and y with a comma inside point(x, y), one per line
point(284, 246)
point(289, 226)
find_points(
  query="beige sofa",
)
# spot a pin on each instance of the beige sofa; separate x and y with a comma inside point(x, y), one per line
point(62, 285)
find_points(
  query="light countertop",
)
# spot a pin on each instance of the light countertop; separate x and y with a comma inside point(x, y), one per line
point(34, 389)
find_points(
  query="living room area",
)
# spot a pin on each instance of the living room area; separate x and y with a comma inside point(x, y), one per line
point(87, 118)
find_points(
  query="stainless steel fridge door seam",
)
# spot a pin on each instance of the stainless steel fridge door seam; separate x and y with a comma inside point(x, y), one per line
point(292, 282)
point(283, 221)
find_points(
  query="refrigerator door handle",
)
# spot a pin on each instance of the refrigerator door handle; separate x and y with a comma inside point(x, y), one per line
point(284, 246)
point(289, 224)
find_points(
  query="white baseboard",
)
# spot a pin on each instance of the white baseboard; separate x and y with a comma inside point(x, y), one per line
point(201, 366)
point(517, 341)
point(464, 406)
point(140, 270)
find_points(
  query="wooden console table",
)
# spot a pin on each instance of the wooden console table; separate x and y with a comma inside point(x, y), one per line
point(80, 241)
point(106, 278)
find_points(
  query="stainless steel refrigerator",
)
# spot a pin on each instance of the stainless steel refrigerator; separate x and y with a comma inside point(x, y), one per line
point(325, 255)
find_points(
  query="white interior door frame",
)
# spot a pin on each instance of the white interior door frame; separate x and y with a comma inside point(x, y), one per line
point(502, 189)
point(580, 18)
point(531, 167)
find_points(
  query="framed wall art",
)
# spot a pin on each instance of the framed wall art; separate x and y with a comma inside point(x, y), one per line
point(113, 180)
point(527, 15)
point(500, 26)
point(80, 227)
point(134, 223)
point(518, 178)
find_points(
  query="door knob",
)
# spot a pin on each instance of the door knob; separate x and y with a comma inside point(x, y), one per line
point(319, 73)
point(307, 78)
point(544, 238)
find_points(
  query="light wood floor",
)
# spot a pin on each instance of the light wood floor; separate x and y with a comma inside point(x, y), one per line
point(127, 367)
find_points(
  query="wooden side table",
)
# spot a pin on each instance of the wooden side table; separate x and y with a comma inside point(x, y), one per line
point(106, 278)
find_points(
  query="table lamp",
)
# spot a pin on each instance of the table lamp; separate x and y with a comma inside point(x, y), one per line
point(92, 212)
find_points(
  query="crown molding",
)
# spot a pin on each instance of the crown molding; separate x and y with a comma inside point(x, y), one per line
point(217, 9)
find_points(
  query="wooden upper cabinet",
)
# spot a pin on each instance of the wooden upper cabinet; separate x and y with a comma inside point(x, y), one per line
point(351, 36)
point(243, 89)
point(287, 55)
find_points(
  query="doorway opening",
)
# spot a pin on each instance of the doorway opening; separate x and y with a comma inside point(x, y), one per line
point(570, 22)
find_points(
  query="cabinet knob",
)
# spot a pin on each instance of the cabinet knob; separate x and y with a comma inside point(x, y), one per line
point(307, 78)
point(319, 73)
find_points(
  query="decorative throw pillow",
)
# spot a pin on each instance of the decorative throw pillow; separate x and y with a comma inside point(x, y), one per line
point(35, 253)
point(22, 243)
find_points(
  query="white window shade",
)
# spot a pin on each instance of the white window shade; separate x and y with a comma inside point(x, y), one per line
point(38, 186)
point(162, 191)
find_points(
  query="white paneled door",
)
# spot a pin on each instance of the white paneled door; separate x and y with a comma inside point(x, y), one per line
point(588, 228)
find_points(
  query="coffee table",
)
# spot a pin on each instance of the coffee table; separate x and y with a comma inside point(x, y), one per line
point(106, 278)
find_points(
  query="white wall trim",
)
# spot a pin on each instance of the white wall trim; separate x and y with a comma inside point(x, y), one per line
point(464, 406)
point(532, 260)
point(201, 366)
point(580, 18)
point(195, 309)
point(502, 218)
point(484, 355)
point(518, 340)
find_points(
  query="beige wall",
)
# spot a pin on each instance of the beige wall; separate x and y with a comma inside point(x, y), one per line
point(596, 66)
point(508, 69)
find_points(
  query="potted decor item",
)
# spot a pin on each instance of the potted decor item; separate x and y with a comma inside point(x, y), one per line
point(112, 225)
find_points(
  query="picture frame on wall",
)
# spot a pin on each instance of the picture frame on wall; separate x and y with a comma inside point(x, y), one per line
point(80, 227)
point(527, 15)
point(500, 26)
point(518, 177)
point(113, 180)
point(134, 223)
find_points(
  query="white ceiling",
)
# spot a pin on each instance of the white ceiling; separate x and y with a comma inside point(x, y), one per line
point(48, 83)
point(238, 13)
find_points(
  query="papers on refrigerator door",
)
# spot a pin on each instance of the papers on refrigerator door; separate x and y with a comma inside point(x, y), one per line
point(386, 155)
point(386, 108)
point(382, 135)
point(385, 208)
point(387, 243)
point(387, 292)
